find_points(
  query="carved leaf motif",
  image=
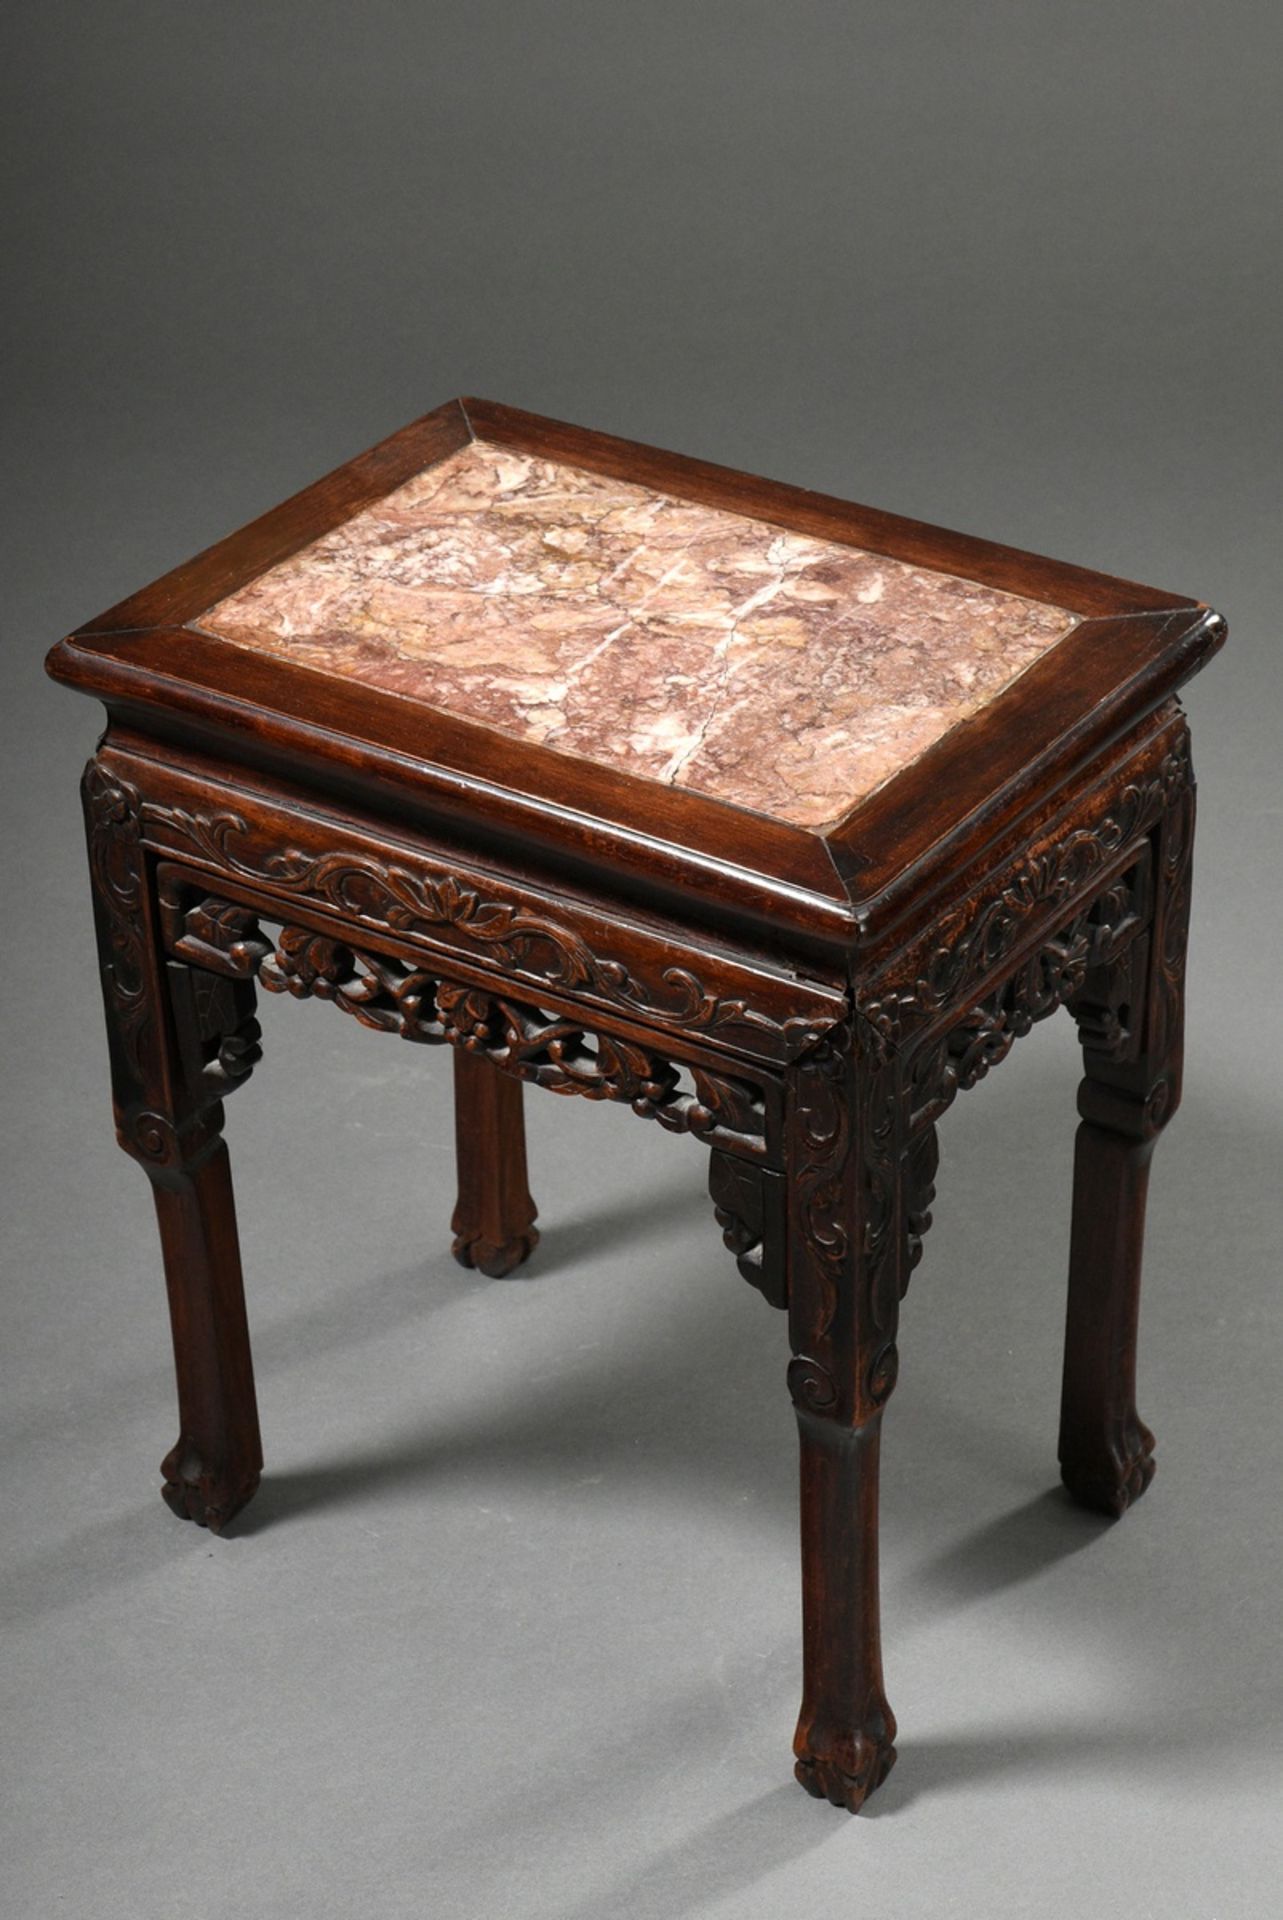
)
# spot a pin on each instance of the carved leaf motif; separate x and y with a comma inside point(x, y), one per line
point(307, 963)
point(116, 869)
point(968, 950)
point(553, 1051)
point(822, 1124)
point(422, 900)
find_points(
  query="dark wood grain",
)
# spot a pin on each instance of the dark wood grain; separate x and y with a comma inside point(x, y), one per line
point(494, 1218)
point(1134, 646)
point(1131, 1089)
point(179, 1042)
point(807, 1006)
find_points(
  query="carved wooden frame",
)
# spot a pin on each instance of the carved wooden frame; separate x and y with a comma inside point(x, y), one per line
point(808, 1006)
point(823, 1158)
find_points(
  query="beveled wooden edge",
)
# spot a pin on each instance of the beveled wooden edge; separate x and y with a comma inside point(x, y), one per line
point(1132, 648)
point(1080, 696)
point(1076, 816)
point(1078, 589)
point(196, 585)
point(661, 972)
point(976, 779)
point(413, 760)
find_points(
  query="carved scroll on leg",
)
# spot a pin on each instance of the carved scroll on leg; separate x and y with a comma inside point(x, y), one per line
point(493, 1223)
point(858, 1192)
point(1131, 1018)
point(179, 1041)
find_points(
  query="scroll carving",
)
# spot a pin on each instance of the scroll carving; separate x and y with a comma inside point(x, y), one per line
point(863, 1142)
point(164, 1119)
point(396, 996)
point(748, 1202)
point(811, 1385)
point(393, 896)
point(970, 948)
point(847, 1148)
point(113, 815)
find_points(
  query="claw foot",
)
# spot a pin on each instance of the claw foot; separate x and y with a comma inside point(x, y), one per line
point(209, 1499)
point(1113, 1483)
point(495, 1261)
point(849, 1779)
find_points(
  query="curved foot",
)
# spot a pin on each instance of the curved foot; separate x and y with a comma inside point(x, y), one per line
point(1113, 1484)
point(208, 1499)
point(496, 1262)
point(842, 1785)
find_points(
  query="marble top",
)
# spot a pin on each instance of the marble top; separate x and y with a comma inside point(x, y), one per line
point(679, 642)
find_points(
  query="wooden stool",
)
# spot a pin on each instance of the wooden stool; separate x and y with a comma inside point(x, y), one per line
point(777, 818)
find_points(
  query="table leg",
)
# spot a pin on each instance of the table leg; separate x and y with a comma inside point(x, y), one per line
point(179, 1040)
point(1106, 1450)
point(493, 1223)
point(849, 1249)
point(844, 1743)
point(214, 1466)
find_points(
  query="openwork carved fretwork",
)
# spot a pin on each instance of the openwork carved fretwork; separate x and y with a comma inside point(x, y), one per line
point(748, 1202)
point(862, 1105)
point(393, 995)
point(1060, 971)
point(970, 945)
point(391, 895)
point(862, 1138)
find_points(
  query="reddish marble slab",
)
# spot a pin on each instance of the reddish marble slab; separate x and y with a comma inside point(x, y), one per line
point(674, 641)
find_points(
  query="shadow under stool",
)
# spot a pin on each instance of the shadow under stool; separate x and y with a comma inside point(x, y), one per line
point(776, 818)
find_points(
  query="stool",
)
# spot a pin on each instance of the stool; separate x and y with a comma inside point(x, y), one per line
point(776, 818)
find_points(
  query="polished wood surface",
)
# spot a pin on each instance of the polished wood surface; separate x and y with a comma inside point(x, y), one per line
point(1133, 647)
point(807, 1005)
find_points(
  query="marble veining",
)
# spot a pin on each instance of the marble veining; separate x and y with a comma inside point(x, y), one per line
point(685, 644)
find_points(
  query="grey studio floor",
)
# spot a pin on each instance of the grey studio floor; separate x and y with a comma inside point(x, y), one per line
point(512, 1629)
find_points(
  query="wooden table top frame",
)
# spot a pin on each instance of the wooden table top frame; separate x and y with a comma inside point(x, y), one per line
point(807, 1003)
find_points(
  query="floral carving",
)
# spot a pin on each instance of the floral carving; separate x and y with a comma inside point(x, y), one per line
point(920, 1045)
point(420, 900)
point(1065, 970)
point(970, 947)
point(396, 996)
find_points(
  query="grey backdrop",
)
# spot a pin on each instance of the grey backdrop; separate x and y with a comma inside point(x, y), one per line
point(512, 1629)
